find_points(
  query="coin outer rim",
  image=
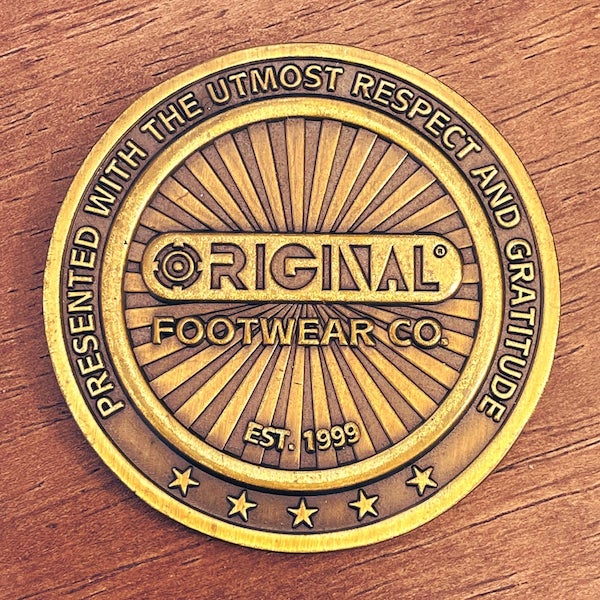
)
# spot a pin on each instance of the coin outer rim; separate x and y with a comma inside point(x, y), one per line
point(456, 489)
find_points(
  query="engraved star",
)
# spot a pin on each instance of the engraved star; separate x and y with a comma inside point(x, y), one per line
point(364, 505)
point(302, 514)
point(183, 480)
point(240, 506)
point(421, 479)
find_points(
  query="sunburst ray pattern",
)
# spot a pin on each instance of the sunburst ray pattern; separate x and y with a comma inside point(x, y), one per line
point(301, 175)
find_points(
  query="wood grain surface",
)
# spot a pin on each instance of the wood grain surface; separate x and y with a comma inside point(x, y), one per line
point(69, 528)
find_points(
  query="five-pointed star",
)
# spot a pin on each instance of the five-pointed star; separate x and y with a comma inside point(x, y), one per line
point(364, 505)
point(421, 479)
point(183, 480)
point(240, 506)
point(302, 514)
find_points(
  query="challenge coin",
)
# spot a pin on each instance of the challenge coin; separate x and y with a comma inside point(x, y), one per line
point(301, 298)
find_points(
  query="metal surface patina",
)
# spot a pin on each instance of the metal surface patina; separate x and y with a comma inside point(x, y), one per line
point(302, 298)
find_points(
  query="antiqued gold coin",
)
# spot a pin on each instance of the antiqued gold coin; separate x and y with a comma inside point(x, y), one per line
point(302, 298)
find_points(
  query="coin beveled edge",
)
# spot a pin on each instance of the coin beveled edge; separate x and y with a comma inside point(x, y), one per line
point(456, 489)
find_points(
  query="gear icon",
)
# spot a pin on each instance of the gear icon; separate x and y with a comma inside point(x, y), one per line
point(177, 266)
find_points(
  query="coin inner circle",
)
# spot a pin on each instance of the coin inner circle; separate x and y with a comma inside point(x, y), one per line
point(302, 296)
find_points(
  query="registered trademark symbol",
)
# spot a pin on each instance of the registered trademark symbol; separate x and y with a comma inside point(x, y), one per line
point(440, 250)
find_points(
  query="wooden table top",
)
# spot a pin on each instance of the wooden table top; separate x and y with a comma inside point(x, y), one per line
point(69, 528)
